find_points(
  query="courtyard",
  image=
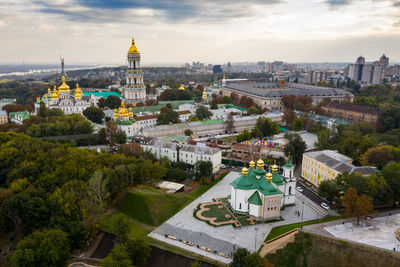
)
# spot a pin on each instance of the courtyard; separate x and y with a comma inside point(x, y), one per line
point(378, 232)
point(220, 242)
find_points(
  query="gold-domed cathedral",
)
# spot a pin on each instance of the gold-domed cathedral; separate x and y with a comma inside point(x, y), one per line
point(68, 101)
point(135, 90)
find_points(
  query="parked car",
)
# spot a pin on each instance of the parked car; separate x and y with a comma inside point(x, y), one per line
point(324, 205)
point(299, 189)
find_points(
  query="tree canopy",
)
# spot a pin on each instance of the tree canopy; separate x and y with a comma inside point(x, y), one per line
point(94, 114)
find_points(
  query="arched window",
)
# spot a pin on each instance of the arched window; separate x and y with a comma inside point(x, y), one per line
point(290, 190)
point(290, 174)
point(240, 206)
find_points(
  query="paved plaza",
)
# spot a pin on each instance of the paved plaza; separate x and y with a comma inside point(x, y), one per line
point(226, 239)
point(378, 232)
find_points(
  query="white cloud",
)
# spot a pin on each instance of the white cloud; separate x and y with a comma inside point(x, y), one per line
point(209, 31)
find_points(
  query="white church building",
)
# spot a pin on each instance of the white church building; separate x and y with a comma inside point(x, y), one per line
point(263, 193)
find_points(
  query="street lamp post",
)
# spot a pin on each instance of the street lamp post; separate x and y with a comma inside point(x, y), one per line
point(302, 211)
point(255, 239)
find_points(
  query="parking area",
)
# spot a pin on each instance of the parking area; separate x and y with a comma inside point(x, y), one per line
point(226, 239)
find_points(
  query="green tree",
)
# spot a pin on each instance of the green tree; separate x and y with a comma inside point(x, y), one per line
point(113, 102)
point(244, 136)
point(139, 251)
point(378, 156)
point(43, 248)
point(94, 114)
point(298, 124)
point(118, 257)
point(120, 137)
point(55, 112)
point(265, 127)
point(239, 257)
point(98, 188)
point(43, 110)
point(188, 132)
point(214, 105)
point(356, 205)
point(254, 110)
point(253, 260)
point(120, 226)
point(203, 113)
point(168, 117)
point(227, 99)
point(295, 147)
point(203, 169)
point(111, 130)
point(391, 173)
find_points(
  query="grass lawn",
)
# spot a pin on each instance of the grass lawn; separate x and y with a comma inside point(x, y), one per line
point(279, 230)
point(148, 208)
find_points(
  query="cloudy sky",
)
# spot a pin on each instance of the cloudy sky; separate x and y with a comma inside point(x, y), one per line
point(212, 31)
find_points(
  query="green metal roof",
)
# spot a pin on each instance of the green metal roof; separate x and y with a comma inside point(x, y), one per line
point(102, 94)
point(277, 179)
point(252, 182)
point(283, 129)
point(211, 121)
point(288, 165)
point(255, 199)
point(233, 106)
point(23, 114)
point(128, 122)
point(7, 100)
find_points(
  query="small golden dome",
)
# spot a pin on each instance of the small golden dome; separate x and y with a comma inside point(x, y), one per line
point(244, 171)
point(274, 167)
point(260, 164)
point(130, 112)
point(182, 88)
point(252, 164)
point(269, 177)
point(115, 113)
point(133, 49)
point(64, 86)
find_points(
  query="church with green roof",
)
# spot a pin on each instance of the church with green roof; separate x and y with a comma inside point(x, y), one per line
point(262, 194)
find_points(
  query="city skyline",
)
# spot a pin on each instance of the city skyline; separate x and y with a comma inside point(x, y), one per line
point(171, 33)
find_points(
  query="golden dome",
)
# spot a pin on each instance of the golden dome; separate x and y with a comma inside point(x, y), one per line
point(115, 113)
point(274, 167)
point(269, 177)
point(54, 95)
point(252, 164)
point(260, 164)
point(130, 112)
point(133, 49)
point(244, 171)
point(181, 88)
point(64, 86)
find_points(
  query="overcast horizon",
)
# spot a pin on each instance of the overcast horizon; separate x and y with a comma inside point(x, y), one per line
point(174, 32)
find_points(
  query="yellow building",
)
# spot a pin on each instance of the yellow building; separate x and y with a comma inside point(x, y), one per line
point(3, 117)
point(318, 166)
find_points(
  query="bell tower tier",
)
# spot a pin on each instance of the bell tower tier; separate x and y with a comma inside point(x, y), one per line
point(135, 90)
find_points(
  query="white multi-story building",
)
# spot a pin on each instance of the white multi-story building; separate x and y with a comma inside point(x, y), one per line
point(185, 153)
